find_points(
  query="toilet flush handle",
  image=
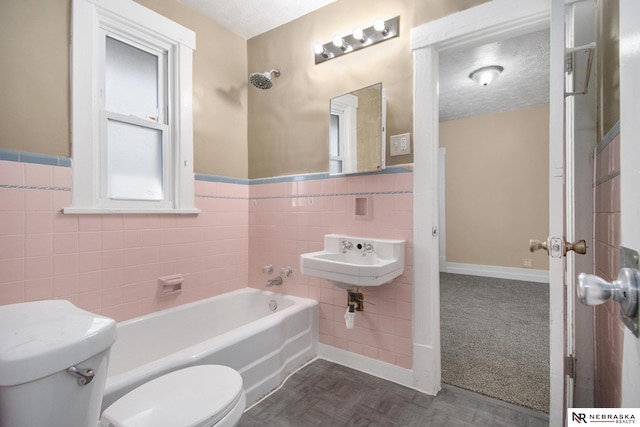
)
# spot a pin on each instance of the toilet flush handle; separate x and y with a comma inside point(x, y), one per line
point(85, 376)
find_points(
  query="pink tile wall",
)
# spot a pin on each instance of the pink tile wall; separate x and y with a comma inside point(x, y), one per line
point(110, 264)
point(288, 219)
point(608, 326)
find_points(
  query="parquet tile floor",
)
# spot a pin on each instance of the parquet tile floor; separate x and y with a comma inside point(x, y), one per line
point(327, 394)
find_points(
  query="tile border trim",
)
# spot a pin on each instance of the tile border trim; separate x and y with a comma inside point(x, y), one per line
point(311, 195)
point(34, 187)
point(43, 159)
point(40, 159)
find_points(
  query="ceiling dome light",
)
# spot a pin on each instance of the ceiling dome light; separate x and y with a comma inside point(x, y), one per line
point(486, 75)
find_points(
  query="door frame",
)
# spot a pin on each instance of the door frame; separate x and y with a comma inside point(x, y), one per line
point(486, 23)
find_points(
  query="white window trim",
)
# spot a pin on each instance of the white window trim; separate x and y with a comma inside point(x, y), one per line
point(88, 17)
point(104, 201)
point(346, 108)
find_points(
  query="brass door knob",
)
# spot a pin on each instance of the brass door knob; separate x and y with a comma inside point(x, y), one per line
point(579, 247)
point(536, 245)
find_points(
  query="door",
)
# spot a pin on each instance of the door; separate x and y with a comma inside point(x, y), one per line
point(580, 141)
point(570, 200)
point(557, 290)
point(629, 191)
point(630, 175)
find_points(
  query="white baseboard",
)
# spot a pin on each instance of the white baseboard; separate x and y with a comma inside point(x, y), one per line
point(367, 365)
point(526, 274)
point(426, 368)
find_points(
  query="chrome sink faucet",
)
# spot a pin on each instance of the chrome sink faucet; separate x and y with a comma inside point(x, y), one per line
point(367, 248)
point(346, 246)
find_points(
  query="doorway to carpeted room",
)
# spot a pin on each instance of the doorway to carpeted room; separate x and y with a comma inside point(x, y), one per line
point(495, 338)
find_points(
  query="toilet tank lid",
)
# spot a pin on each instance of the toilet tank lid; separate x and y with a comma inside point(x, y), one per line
point(41, 338)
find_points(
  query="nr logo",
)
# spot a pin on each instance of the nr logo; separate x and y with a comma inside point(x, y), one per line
point(579, 418)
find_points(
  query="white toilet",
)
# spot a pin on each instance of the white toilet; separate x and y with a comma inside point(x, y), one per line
point(53, 366)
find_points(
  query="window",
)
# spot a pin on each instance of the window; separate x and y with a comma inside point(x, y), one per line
point(343, 146)
point(335, 147)
point(132, 130)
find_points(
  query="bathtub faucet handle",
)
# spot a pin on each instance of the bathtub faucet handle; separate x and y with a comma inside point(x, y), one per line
point(286, 271)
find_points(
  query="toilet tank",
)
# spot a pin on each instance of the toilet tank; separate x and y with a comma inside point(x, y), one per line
point(39, 341)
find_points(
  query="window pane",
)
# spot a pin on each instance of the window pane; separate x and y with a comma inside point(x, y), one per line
point(335, 166)
point(131, 80)
point(334, 135)
point(134, 162)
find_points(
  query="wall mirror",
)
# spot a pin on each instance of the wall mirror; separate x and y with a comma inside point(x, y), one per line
point(357, 131)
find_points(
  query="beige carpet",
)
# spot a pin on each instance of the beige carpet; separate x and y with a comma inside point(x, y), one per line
point(495, 338)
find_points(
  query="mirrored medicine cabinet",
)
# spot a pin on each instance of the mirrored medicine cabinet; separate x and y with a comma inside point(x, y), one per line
point(357, 131)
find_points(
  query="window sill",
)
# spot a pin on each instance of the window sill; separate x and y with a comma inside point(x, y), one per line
point(120, 211)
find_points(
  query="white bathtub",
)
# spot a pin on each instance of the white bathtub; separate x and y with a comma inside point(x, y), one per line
point(239, 329)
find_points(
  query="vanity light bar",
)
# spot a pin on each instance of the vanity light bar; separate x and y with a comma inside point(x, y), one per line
point(359, 39)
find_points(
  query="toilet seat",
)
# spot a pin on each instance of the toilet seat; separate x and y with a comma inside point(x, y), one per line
point(199, 396)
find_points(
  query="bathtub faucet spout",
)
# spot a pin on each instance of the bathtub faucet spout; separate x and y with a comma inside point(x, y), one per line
point(274, 282)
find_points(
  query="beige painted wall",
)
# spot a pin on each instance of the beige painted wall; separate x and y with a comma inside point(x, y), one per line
point(497, 187)
point(35, 108)
point(238, 131)
point(369, 125)
point(34, 76)
point(289, 123)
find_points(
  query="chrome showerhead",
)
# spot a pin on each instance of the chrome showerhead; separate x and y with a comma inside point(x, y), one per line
point(263, 80)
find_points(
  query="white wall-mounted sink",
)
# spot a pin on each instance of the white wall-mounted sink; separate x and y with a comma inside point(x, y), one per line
point(350, 261)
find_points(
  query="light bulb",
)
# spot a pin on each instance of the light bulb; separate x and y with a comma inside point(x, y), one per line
point(358, 34)
point(379, 25)
point(338, 41)
point(318, 48)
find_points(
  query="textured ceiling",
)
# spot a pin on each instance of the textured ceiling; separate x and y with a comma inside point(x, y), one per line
point(248, 18)
point(523, 83)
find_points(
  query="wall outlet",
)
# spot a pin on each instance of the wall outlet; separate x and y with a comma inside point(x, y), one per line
point(527, 263)
point(400, 144)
